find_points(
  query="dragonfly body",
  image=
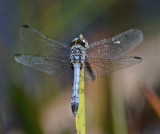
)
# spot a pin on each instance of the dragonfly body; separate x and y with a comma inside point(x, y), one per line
point(65, 61)
point(77, 57)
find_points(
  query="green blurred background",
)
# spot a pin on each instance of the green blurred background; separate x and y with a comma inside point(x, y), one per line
point(32, 103)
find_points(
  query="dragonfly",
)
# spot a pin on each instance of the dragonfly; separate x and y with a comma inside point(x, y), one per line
point(64, 60)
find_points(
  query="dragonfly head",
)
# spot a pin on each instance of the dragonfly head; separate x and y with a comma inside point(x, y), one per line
point(80, 41)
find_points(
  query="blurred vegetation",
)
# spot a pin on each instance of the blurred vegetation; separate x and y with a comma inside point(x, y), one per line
point(31, 102)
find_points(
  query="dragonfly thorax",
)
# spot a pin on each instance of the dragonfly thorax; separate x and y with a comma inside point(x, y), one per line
point(77, 54)
point(78, 46)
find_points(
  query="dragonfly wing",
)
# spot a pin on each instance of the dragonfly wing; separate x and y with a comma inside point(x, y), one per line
point(37, 43)
point(61, 68)
point(116, 46)
point(99, 67)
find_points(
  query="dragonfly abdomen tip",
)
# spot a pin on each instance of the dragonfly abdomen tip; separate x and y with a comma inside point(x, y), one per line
point(74, 107)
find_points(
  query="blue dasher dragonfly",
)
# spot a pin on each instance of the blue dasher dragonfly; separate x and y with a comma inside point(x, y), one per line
point(64, 61)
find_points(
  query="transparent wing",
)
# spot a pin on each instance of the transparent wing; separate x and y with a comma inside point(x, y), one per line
point(116, 46)
point(99, 67)
point(60, 68)
point(37, 43)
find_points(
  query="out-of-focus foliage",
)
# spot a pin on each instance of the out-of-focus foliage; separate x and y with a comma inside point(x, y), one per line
point(33, 102)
